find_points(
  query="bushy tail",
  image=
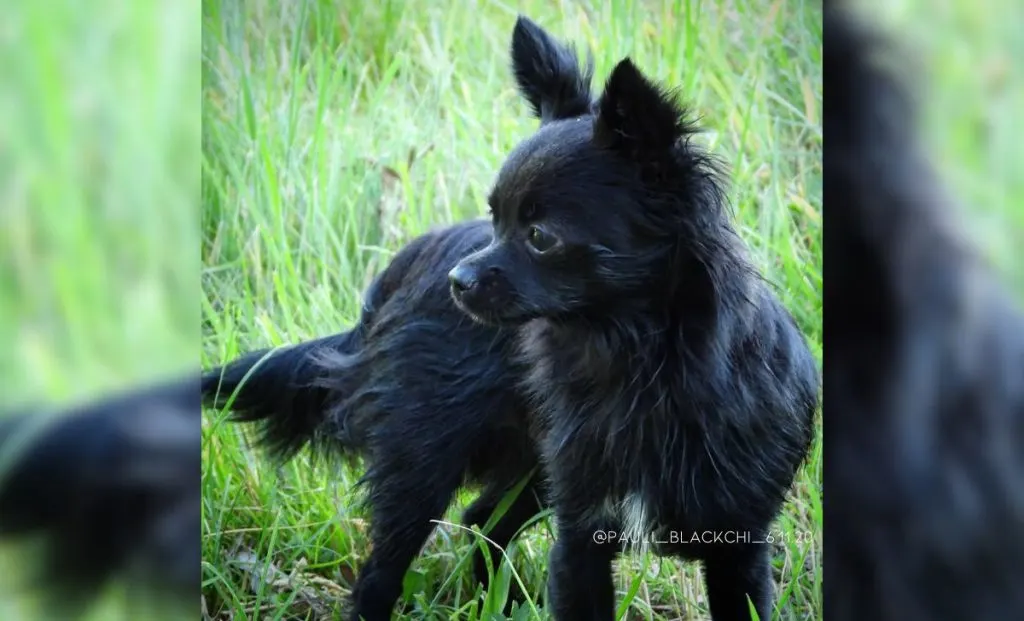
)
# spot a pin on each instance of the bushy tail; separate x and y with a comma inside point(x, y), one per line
point(281, 391)
point(111, 489)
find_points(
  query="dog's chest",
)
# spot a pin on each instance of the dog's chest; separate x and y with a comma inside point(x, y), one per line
point(595, 433)
point(590, 394)
point(570, 370)
point(631, 513)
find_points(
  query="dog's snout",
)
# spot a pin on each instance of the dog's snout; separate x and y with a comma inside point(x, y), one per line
point(462, 278)
point(478, 287)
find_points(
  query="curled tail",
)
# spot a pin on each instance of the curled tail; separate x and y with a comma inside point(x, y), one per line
point(282, 391)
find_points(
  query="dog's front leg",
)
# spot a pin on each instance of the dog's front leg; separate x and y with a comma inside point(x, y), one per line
point(580, 586)
point(734, 573)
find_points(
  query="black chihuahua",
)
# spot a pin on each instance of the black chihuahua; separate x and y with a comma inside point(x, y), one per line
point(676, 394)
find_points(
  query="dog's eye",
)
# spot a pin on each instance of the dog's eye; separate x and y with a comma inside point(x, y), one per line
point(540, 240)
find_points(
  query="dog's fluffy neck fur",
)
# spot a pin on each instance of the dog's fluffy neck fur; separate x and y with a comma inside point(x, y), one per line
point(647, 336)
point(670, 342)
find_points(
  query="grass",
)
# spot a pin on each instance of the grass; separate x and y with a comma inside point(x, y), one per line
point(332, 134)
point(98, 180)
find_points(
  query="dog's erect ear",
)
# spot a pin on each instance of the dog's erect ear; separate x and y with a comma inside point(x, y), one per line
point(549, 74)
point(637, 117)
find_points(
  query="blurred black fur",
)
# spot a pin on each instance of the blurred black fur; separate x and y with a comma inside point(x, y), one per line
point(422, 392)
point(924, 371)
point(111, 490)
point(676, 394)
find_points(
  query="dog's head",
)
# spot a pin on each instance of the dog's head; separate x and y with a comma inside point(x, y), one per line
point(595, 209)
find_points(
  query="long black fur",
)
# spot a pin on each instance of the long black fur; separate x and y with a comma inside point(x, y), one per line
point(924, 370)
point(111, 489)
point(424, 393)
point(676, 395)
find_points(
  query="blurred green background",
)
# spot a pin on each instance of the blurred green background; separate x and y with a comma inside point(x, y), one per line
point(964, 58)
point(99, 227)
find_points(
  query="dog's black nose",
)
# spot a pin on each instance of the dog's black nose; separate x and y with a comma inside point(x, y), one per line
point(462, 279)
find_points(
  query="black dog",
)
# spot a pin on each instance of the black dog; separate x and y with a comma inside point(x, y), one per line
point(426, 394)
point(111, 488)
point(677, 395)
point(924, 371)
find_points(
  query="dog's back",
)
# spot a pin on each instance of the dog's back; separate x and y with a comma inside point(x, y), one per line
point(409, 346)
point(418, 353)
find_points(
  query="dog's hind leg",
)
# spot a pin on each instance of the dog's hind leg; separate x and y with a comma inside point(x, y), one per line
point(734, 572)
point(525, 506)
point(403, 501)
